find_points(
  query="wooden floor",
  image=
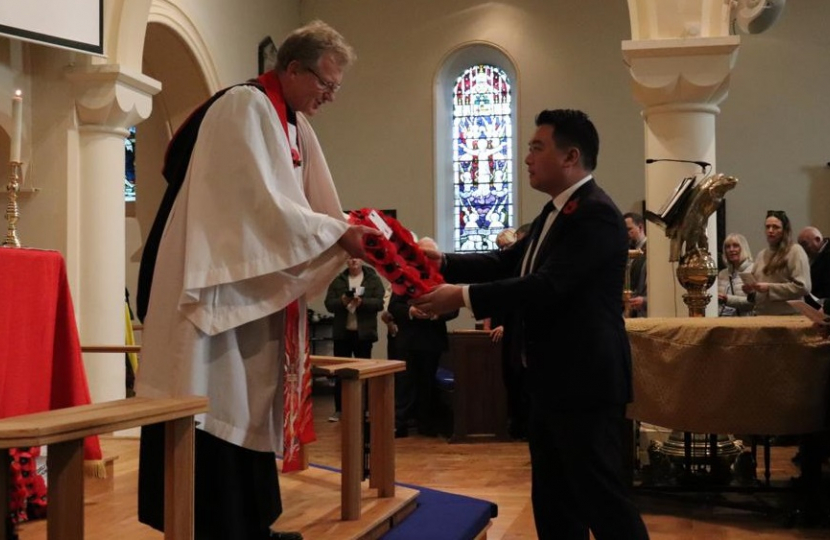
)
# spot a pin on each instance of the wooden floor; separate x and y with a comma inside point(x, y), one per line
point(498, 472)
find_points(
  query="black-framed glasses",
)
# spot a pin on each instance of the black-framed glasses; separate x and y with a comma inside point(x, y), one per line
point(328, 86)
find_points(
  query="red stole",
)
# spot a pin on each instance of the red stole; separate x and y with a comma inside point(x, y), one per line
point(298, 419)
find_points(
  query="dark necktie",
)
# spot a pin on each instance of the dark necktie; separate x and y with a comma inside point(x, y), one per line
point(536, 237)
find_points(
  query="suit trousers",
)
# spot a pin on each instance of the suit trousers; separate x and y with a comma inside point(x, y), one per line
point(416, 390)
point(578, 475)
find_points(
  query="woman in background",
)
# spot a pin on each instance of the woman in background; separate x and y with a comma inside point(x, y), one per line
point(782, 270)
point(738, 258)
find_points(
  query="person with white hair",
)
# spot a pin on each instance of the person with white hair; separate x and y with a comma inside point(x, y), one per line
point(816, 246)
point(738, 258)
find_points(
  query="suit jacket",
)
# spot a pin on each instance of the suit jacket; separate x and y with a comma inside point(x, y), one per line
point(568, 307)
point(639, 282)
point(820, 273)
point(418, 334)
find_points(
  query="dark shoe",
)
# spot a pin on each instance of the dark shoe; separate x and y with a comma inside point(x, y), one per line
point(286, 535)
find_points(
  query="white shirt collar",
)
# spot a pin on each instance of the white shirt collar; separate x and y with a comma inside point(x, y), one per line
point(560, 200)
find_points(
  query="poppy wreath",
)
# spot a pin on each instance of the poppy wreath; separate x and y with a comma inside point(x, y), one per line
point(398, 258)
point(28, 495)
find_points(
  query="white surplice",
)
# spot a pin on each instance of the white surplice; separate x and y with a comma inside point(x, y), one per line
point(249, 233)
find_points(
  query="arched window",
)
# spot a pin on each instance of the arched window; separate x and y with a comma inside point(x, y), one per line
point(482, 129)
point(474, 148)
point(129, 166)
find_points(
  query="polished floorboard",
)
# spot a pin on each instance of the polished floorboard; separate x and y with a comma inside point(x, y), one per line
point(498, 472)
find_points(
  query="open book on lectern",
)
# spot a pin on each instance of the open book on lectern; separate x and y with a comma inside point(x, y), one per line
point(671, 210)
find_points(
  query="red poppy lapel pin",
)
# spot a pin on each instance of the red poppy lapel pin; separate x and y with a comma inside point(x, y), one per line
point(571, 205)
point(295, 158)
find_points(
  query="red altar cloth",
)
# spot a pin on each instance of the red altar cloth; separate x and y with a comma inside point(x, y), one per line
point(41, 367)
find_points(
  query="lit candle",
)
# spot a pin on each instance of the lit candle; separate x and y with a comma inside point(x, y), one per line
point(17, 126)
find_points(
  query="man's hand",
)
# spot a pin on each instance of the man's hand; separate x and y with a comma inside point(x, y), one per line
point(497, 333)
point(352, 240)
point(442, 299)
point(636, 302)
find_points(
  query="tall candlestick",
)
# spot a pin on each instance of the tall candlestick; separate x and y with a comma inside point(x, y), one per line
point(17, 126)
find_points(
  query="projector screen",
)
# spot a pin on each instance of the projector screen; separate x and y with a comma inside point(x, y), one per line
point(75, 24)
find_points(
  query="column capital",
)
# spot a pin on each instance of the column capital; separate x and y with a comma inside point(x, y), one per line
point(661, 19)
point(681, 70)
point(110, 96)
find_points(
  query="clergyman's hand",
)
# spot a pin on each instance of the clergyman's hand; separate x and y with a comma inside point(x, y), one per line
point(352, 240)
point(435, 257)
point(442, 299)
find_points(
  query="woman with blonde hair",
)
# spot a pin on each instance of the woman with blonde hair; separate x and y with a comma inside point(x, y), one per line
point(738, 258)
point(782, 270)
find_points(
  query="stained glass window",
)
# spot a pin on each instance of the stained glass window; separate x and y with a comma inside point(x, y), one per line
point(129, 166)
point(482, 157)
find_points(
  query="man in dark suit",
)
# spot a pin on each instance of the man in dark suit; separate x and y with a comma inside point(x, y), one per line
point(636, 227)
point(421, 340)
point(563, 284)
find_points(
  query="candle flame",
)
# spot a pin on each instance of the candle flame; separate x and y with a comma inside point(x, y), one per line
point(18, 92)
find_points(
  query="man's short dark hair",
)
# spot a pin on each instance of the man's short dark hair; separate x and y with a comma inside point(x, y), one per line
point(636, 218)
point(572, 128)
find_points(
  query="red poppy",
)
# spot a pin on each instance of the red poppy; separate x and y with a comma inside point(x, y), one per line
point(570, 207)
point(295, 158)
point(398, 259)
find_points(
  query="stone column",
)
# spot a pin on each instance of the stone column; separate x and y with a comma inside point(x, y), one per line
point(680, 59)
point(108, 100)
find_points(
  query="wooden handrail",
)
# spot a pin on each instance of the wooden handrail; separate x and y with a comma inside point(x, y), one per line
point(110, 348)
point(351, 368)
point(72, 423)
point(64, 431)
point(354, 372)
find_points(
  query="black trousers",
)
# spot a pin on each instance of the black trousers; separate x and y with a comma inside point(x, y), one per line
point(578, 475)
point(237, 491)
point(416, 389)
point(348, 347)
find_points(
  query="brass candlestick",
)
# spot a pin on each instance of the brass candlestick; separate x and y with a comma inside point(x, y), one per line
point(12, 209)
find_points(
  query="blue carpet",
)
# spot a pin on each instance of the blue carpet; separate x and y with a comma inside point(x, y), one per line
point(439, 515)
point(443, 516)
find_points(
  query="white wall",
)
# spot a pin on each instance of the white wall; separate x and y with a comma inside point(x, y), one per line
point(772, 133)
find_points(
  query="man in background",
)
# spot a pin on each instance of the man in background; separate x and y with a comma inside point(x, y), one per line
point(635, 225)
point(355, 297)
point(811, 239)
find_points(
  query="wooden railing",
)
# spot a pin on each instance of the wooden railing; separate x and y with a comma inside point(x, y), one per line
point(381, 382)
point(63, 431)
point(379, 375)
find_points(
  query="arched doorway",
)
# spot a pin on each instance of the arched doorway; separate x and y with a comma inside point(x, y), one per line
point(169, 59)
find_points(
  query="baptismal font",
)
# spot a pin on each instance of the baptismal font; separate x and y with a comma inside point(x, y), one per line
point(684, 219)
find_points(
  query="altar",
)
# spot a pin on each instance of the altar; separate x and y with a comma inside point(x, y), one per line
point(41, 368)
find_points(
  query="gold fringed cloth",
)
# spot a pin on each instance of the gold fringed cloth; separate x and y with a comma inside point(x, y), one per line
point(758, 375)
